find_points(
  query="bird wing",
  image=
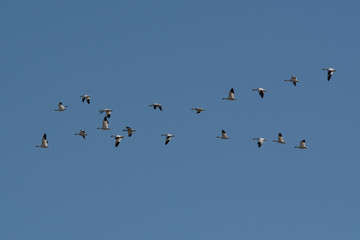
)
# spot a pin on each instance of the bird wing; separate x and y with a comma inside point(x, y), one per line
point(302, 143)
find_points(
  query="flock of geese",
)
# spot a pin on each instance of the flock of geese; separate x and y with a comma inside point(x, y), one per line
point(130, 131)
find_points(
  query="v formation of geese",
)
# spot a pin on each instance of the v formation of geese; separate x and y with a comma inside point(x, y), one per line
point(130, 131)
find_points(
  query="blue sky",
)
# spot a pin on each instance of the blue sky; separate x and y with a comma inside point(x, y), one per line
point(183, 54)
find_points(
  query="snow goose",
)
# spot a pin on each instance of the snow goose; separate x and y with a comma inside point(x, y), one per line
point(107, 111)
point(117, 139)
point(105, 124)
point(168, 137)
point(231, 95)
point(302, 145)
point(280, 139)
point(330, 72)
point(129, 130)
point(260, 141)
point(44, 142)
point(223, 135)
point(261, 91)
point(293, 80)
point(61, 107)
point(81, 133)
point(198, 110)
point(85, 97)
point(156, 105)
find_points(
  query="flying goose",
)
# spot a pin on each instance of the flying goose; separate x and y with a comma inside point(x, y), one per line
point(117, 139)
point(61, 107)
point(261, 91)
point(81, 133)
point(156, 105)
point(293, 80)
point(223, 135)
point(280, 139)
point(231, 95)
point(105, 124)
point(168, 137)
point(302, 145)
point(330, 72)
point(44, 142)
point(107, 111)
point(85, 97)
point(129, 130)
point(198, 110)
point(260, 141)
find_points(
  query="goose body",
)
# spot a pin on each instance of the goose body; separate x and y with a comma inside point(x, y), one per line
point(280, 139)
point(156, 105)
point(85, 97)
point(302, 145)
point(44, 142)
point(81, 133)
point(260, 141)
point(293, 80)
point(129, 130)
point(330, 72)
point(198, 110)
point(168, 137)
point(231, 95)
point(61, 107)
point(117, 139)
point(261, 91)
point(223, 135)
point(105, 124)
point(107, 111)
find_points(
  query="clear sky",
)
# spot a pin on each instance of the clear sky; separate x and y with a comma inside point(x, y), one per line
point(183, 54)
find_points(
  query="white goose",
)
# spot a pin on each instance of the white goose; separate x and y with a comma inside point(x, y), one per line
point(107, 111)
point(330, 72)
point(85, 97)
point(280, 139)
point(105, 124)
point(293, 80)
point(81, 133)
point(44, 142)
point(168, 137)
point(156, 105)
point(231, 95)
point(129, 130)
point(261, 91)
point(260, 141)
point(302, 145)
point(198, 110)
point(117, 139)
point(61, 107)
point(223, 135)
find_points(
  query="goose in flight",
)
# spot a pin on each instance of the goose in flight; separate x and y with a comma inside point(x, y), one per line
point(168, 137)
point(117, 139)
point(81, 133)
point(280, 139)
point(261, 91)
point(223, 135)
point(156, 105)
point(107, 111)
point(105, 124)
point(198, 110)
point(231, 95)
point(61, 107)
point(85, 97)
point(44, 142)
point(129, 130)
point(293, 80)
point(330, 72)
point(302, 145)
point(260, 141)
